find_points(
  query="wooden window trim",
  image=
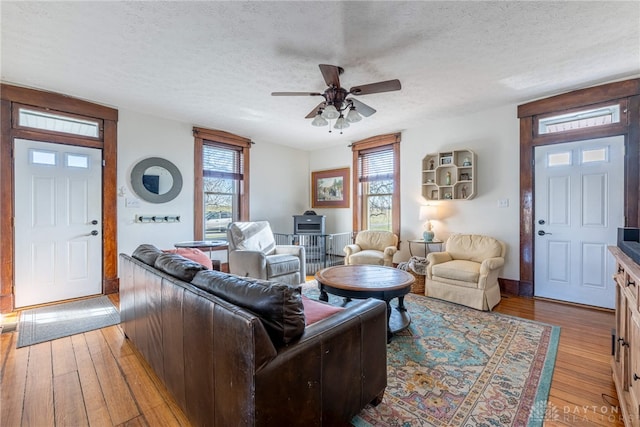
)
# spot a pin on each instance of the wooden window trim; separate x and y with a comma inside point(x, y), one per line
point(628, 94)
point(201, 135)
point(10, 98)
point(391, 139)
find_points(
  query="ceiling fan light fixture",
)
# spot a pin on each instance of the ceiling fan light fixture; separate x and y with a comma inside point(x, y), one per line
point(319, 121)
point(341, 123)
point(353, 116)
point(330, 112)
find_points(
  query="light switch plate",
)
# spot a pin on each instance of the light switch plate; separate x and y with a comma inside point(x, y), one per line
point(131, 203)
point(503, 203)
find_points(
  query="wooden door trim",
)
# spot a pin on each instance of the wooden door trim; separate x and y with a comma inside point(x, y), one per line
point(10, 95)
point(626, 91)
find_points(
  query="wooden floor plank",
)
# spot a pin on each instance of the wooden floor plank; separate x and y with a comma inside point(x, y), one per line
point(13, 380)
point(115, 389)
point(37, 409)
point(69, 402)
point(64, 360)
point(95, 405)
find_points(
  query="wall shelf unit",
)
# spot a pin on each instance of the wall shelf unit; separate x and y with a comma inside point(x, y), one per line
point(449, 175)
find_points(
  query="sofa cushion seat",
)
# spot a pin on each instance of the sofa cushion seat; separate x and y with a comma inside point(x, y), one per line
point(367, 256)
point(458, 270)
point(278, 305)
point(278, 265)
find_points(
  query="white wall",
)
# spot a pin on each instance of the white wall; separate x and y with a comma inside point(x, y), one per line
point(279, 185)
point(494, 136)
point(279, 182)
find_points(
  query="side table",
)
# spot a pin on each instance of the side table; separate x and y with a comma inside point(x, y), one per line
point(205, 245)
point(427, 245)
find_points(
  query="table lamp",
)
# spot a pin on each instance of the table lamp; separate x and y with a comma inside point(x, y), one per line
point(428, 212)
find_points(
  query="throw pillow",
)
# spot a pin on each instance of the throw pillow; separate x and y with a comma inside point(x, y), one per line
point(194, 254)
point(314, 311)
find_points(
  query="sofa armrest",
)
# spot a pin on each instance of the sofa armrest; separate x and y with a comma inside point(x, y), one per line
point(247, 263)
point(490, 264)
point(389, 251)
point(434, 258)
point(351, 249)
point(346, 351)
point(298, 251)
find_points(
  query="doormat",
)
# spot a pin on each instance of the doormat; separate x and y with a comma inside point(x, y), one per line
point(455, 366)
point(61, 320)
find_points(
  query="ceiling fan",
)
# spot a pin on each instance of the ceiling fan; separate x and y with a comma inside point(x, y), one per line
point(337, 101)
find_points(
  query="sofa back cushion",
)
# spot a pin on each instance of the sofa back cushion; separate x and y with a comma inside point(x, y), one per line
point(178, 266)
point(251, 236)
point(377, 240)
point(474, 247)
point(279, 306)
point(147, 254)
point(194, 254)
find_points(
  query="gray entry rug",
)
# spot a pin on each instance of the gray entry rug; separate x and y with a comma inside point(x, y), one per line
point(61, 320)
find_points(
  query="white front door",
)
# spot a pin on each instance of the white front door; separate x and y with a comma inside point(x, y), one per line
point(579, 205)
point(58, 227)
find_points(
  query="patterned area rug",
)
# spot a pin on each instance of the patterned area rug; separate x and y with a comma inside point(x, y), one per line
point(456, 366)
point(61, 320)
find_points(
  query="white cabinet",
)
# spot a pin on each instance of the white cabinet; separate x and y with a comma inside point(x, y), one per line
point(626, 359)
point(449, 175)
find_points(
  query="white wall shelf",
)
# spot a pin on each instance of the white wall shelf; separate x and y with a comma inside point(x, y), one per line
point(449, 175)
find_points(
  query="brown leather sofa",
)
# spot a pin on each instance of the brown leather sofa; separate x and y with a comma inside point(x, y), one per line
point(230, 354)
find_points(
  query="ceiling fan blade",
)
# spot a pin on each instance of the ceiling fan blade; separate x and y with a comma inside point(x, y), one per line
point(362, 108)
point(386, 86)
point(296, 94)
point(331, 74)
point(314, 112)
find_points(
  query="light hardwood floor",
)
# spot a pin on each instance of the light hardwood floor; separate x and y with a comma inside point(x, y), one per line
point(98, 379)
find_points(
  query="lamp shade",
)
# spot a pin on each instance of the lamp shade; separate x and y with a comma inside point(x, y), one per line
point(428, 212)
point(330, 112)
point(319, 121)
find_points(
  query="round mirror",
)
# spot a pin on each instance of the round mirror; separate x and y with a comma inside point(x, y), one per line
point(156, 180)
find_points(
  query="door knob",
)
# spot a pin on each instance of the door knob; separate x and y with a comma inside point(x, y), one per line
point(94, 232)
point(542, 233)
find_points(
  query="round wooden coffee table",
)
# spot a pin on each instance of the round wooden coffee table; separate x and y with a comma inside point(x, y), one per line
point(370, 281)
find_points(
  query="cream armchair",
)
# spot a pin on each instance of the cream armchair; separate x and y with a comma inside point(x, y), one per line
point(372, 247)
point(253, 253)
point(467, 271)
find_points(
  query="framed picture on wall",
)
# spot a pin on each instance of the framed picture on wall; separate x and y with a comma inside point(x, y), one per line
point(330, 188)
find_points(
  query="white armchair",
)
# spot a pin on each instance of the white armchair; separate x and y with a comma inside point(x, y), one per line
point(372, 247)
point(253, 253)
point(466, 272)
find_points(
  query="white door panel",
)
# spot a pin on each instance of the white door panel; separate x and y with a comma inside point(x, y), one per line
point(579, 206)
point(58, 205)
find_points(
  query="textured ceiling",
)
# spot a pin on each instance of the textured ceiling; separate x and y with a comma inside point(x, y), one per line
point(214, 64)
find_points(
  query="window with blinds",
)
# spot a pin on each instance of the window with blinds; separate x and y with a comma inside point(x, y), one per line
point(223, 173)
point(377, 177)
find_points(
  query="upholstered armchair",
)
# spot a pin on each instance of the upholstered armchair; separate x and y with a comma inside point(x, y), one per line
point(253, 253)
point(466, 272)
point(372, 247)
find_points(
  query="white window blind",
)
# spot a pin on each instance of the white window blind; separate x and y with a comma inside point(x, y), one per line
point(375, 165)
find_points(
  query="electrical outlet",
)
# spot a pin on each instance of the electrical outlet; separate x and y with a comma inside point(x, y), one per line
point(503, 203)
point(131, 203)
